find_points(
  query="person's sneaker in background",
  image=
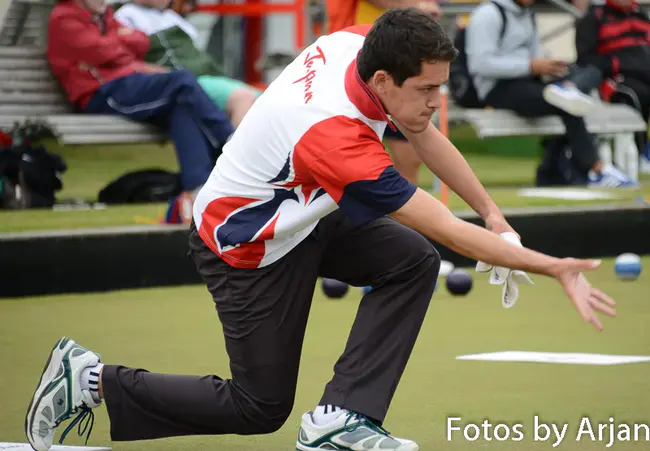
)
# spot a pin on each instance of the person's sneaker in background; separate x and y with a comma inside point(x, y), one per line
point(569, 99)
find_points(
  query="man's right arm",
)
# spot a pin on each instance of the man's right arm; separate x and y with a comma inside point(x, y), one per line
point(85, 43)
point(425, 214)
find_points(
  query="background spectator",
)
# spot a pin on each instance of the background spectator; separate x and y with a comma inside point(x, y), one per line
point(504, 56)
point(99, 64)
point(173, 45)
point(614, 38)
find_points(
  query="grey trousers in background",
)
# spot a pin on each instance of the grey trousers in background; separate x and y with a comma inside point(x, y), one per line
point(264, 314)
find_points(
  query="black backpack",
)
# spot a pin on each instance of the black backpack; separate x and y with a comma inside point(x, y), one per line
point(142, 186)
point(461, 85)
point(30, 177)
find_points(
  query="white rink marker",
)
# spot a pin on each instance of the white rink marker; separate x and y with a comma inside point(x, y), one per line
point(566, 194)
point(556, 357)
point(8, 446)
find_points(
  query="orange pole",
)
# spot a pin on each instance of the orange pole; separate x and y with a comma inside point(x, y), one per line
point(253, 41)
point(299, 23)
point(255, 9)
point(444, 129)
point(249, 9)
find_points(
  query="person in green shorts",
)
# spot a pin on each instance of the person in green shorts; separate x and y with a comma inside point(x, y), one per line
point(173, 45)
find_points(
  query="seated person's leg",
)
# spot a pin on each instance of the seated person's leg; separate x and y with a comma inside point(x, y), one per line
point(571, 93)
point(232, 96)
point(585, 78)
point(525, 97)
point(552, 169)
point(175, 101)
point(405, 160)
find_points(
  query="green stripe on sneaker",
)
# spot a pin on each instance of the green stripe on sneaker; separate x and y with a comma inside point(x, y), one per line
point(353, 434)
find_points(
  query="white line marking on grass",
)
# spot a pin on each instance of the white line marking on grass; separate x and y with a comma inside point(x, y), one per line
point(26, 447)
point(566, 193)
point(556, 357)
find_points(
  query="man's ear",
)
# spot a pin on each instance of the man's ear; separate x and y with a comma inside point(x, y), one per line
point(380, 80)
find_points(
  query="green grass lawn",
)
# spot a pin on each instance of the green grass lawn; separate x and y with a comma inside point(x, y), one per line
point(502, 164)
point(131, 215)
point(175, 330)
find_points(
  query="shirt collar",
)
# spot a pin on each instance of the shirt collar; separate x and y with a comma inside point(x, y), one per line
point(362, 96)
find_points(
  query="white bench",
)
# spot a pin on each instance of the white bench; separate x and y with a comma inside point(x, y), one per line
point(29, 92)
point(614, 125)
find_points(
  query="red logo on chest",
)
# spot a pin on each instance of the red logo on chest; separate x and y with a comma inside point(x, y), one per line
point(311, 73)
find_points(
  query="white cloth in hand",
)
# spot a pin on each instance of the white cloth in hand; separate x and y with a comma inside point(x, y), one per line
point(503, 276)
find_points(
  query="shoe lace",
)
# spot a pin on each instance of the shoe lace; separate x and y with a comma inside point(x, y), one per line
point(85, 419)
point(361, 419)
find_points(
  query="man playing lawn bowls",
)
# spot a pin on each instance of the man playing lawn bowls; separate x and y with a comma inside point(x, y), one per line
point(305, 189)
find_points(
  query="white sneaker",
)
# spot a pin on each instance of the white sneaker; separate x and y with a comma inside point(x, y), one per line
point(349, 431)
point(571, 100)
point(58, 395)
point(610, 177)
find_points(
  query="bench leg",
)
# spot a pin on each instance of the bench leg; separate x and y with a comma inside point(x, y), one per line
point(626, 155)
point(605, 151)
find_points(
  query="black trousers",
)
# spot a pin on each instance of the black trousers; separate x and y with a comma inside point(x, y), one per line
point(264, 314)
point(524, 96)
point(636, 94)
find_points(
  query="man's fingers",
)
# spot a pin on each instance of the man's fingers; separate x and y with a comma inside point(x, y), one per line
point(601, 307)
point(584, 310)
point(596, 323)
point(596, 293)
point(586, 265)
point(590, 316)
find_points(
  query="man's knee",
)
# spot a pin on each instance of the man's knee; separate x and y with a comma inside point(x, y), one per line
point(266, 409)
point(273, 418)
point(185, 75)
point(267, 417)
point(421, 270)
point(184, 79)
point(432, 261)
point(422, 256)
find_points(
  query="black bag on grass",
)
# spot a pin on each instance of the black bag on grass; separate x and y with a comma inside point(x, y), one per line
point(30, 177)
point(143, 186)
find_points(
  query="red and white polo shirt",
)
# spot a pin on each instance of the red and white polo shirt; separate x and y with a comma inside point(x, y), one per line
point(309, 145)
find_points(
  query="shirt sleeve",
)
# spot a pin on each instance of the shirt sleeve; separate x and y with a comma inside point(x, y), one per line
point(359, 176)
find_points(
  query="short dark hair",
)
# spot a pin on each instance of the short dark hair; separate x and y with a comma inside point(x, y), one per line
point(400, 41)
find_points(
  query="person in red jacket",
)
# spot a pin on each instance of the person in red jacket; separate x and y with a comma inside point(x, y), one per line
point(615, 38)
point(99, 64)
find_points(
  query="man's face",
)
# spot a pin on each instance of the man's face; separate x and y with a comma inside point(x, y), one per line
point(95, 6)
point(413, 103)
point(526, 3)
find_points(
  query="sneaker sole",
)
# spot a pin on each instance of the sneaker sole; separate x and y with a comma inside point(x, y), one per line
point(576, 107)
point(405, 447)
point(49, 371)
